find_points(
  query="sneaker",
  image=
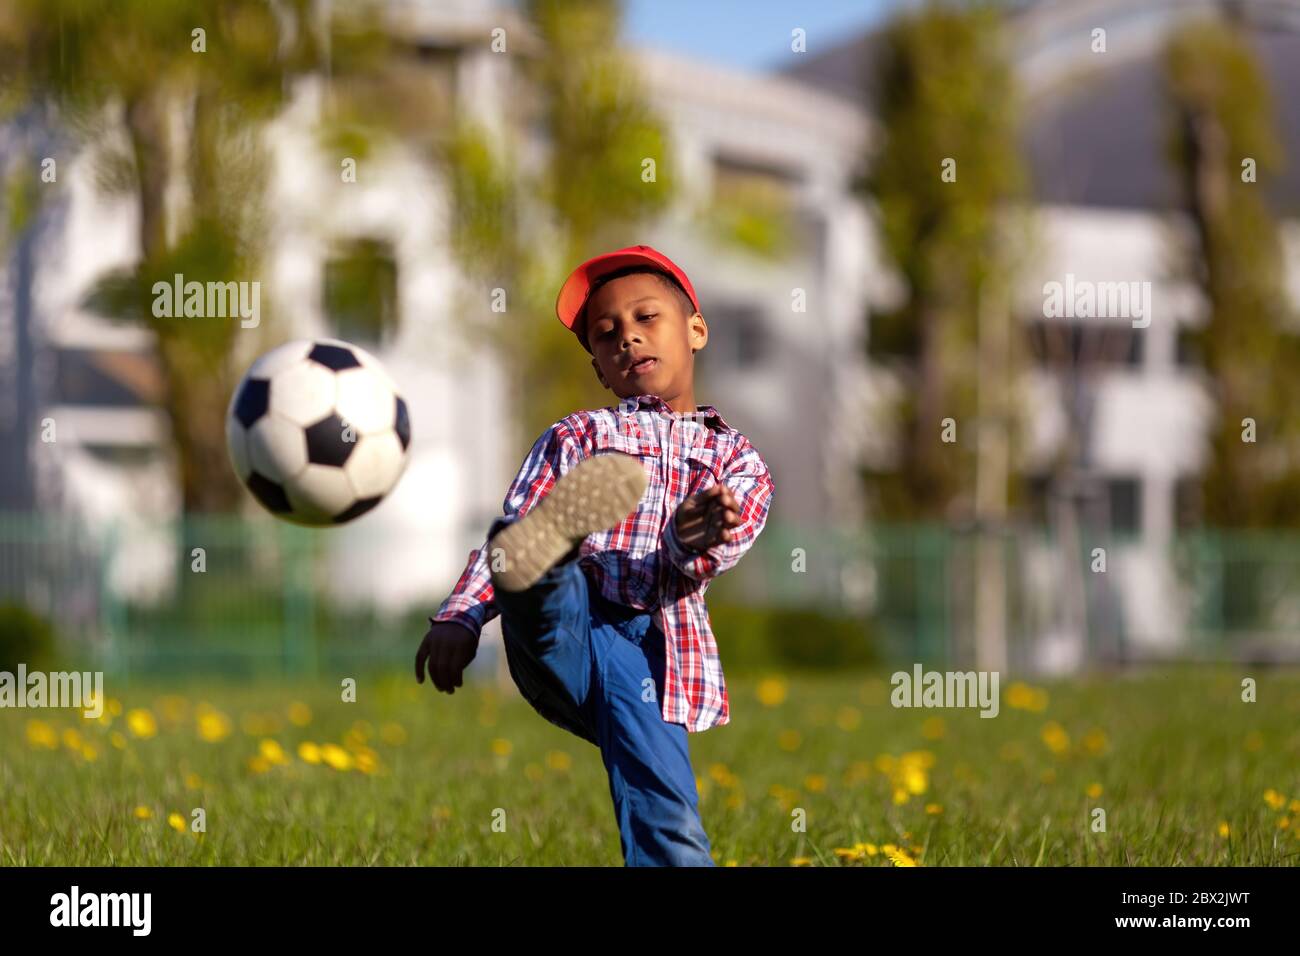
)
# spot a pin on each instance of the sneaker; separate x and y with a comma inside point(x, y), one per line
point(594, 495)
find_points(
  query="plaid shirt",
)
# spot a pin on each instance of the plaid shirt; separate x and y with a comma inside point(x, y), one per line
point(641, 563)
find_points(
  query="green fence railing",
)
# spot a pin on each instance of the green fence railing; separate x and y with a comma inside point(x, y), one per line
point(256, 596)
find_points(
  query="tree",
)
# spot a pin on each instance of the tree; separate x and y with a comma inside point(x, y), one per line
point(121, 72)
point(1221, 125)
point(943, 179)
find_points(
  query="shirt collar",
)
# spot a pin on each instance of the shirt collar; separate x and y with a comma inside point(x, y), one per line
point(711, 417)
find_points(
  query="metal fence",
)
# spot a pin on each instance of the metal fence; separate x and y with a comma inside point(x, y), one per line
point(257, 597)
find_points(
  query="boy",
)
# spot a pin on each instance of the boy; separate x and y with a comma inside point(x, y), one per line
point(612, 530)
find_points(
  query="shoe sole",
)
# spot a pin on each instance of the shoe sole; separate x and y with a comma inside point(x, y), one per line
point(594, 495)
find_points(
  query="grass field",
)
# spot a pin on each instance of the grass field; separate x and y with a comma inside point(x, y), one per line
point(1185, 771)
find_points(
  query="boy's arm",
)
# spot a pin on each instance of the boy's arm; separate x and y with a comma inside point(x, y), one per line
point(751, 485)
point(470, 603)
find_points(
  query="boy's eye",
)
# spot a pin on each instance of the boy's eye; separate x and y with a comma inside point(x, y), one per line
point(649, 315)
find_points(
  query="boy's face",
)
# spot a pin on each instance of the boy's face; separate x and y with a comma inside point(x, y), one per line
point(642, 341)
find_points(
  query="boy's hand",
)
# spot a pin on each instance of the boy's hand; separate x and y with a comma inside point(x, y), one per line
point(704, 520)
point(448, 648)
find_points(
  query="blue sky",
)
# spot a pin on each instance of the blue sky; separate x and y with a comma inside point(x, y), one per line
point(751, 34)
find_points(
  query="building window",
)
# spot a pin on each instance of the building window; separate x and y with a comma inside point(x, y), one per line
point(361, 292)
point(1124, 498)
point(738, 337)
point(107, 378)
point(755, 205)
point(1120, 496)
point(1062, 343)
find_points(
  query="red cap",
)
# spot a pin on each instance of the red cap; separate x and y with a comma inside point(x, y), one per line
point(576, 288)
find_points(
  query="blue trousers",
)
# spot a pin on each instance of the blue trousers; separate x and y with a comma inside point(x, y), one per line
point(596, 669)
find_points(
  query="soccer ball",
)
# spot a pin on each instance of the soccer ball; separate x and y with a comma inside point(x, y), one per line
point(317, 432)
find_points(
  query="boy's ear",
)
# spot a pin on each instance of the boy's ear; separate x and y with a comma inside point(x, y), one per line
point(698, 330)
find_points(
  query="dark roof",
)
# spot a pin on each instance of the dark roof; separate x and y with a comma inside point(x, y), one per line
point(1101, 140)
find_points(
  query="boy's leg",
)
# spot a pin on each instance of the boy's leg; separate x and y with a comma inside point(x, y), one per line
point(650, 775)
point(546, 631)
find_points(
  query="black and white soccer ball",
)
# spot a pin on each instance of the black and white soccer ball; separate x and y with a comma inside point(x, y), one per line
point(317, 431)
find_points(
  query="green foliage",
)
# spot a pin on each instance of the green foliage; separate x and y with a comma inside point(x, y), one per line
point(25, 638)
point(1221, 110)
point(946, 92)
point(361, 291)
point(752, 639)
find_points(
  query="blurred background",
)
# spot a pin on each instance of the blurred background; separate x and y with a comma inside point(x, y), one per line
point(963, 478)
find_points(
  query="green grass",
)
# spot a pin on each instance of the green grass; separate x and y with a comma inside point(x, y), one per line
point(1176, 753)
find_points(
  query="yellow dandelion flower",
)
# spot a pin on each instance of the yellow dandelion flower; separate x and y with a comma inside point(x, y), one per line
point(901, 797)
point(308, 752)
point(143, 813)
point(731, 863)
point(1283, 823)
point(336, 757)
point(848, 718)
point(870, 849)
point(141, 723)
point(193, 781)
point(272, 752)
point(1094, 790)
point(534, 772)
point(367, 761)
point(89, 753)
point(299, 714)
point(42, 735)
point(501, 747)
point(772, 691)
point(173, 708)
point(933, 728)
point(801, 861)
point(1094, 741)
point(213, 725)
point(176, 822)
point(1224, 830)
point(915, 780)
point(1274, 799)
point(857, 771)
point(900, 858)
point(558, 760)
point(1294, 806)
point(885, 763)
point(117, 740)
point(722, 775)
point(392, 734)
point(72, 740)
point(259, 764)
point(815, 782)
point(888, 848)
point(848, 853)
point(735, 800)
point(934, 809)
point(115, 707)
point(1055, 737)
